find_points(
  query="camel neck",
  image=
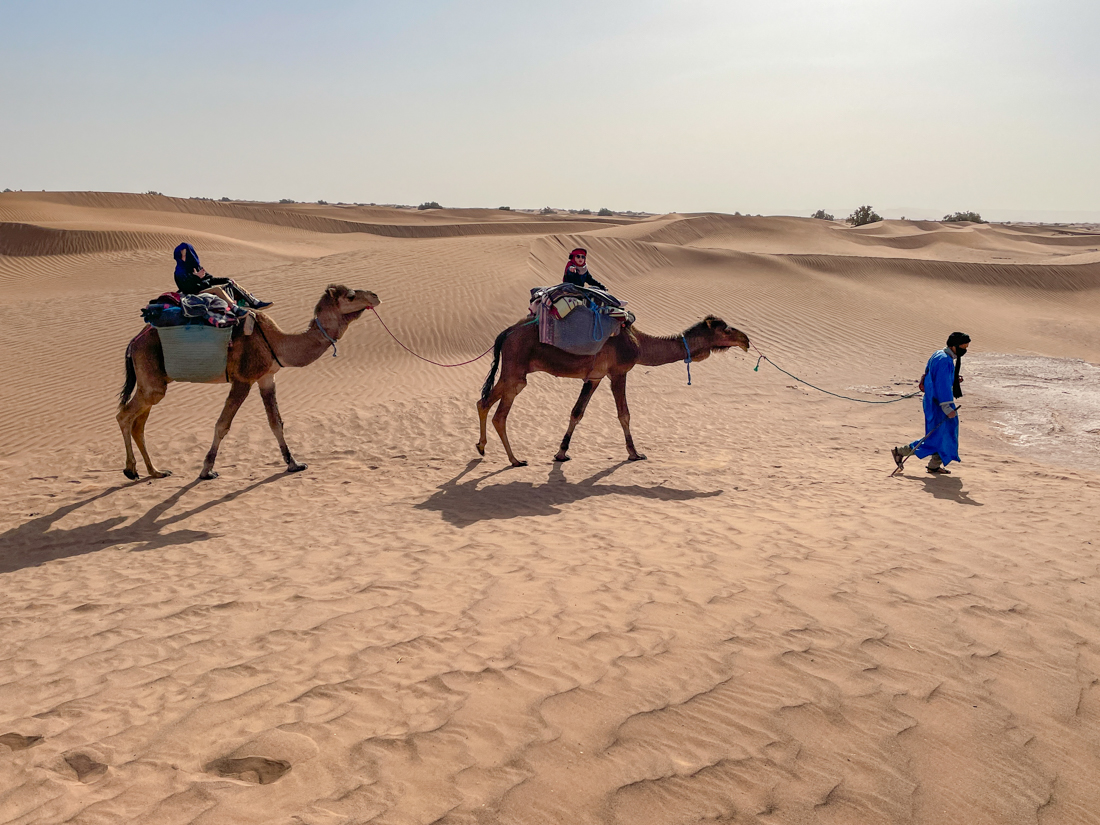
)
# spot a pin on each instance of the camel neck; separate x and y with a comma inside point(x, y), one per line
point(655, 352)
point(302, 349)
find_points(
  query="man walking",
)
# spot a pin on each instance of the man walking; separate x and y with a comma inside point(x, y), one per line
point(942, 384)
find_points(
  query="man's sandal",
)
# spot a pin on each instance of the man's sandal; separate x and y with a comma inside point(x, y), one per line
point(938, 471)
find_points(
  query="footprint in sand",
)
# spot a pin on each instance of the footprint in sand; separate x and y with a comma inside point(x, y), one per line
point(19, 742)
point(87, 769)
point(254, 769)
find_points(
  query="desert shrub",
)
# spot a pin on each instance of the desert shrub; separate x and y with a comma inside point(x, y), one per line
point(959, 217)
point(323, 203)
point(429, 205)
point(546, 210)
point(604, 212)
point(224, 200)
point(285, 200)
point(584, 211)
point(7, 190)
point(505, 208)
point(822, 215)
point(864, 215)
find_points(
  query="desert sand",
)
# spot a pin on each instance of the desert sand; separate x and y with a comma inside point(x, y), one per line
point(757, 624)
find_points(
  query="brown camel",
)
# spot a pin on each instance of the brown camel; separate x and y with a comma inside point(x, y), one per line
point(519, 352)
point(252, 359)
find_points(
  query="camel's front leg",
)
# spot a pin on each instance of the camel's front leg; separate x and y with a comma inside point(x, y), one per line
point(237, 395)
point(500, 419)
point(267, 393)
point(618, 389)
point(575, 417)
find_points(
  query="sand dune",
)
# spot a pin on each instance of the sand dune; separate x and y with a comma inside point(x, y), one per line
point(756, 624)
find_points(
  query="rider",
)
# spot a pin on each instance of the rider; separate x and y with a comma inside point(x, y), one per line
point(576, 271)
point(191, 279)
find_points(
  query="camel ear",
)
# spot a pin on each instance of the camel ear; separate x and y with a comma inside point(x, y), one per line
point(709, 320)
point(331, 292)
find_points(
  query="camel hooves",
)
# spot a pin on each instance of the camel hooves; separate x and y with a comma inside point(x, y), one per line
point(638, 457)
point(561, 458)
point(296, 468)
point(480, 449)
point(519, 463)
point(131, 474)
point(208, 476)
point(161, 474)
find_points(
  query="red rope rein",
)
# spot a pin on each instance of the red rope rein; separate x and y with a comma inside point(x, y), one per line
point(421, 357)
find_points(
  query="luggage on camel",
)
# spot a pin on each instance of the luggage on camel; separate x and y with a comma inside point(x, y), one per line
point(194, 334)
point(577, 319)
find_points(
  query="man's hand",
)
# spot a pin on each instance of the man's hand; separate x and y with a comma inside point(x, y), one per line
point(952, 413)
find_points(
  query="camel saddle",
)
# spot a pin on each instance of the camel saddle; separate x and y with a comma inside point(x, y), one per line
point(577, 319)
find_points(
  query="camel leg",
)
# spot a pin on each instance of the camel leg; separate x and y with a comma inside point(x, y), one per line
point(139, 437)
point(483, 408)
point(500, 419)
point(237, 395)
point(271, 406)
point(131, 420)
point(618, 389)
point(575, 417)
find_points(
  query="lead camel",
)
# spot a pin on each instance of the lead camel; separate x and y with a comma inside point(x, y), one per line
point(517, 352)
point(252, 359)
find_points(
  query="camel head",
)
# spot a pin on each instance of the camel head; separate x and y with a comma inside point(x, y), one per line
point(345, 304)
point(718, 335)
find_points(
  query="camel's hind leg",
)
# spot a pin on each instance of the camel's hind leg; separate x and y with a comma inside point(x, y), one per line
point(131, 420)
point(237, 395)
point(483, 408)
point(575, 417)
point(267, 393)
point(508, 392)
point(618, 389)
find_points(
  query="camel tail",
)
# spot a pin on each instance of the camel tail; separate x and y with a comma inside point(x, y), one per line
point(131, 380)
point(490, 379)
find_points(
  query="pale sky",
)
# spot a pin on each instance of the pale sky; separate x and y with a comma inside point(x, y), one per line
point(771, 106)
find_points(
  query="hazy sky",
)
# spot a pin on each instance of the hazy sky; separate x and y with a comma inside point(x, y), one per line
point(770, 106)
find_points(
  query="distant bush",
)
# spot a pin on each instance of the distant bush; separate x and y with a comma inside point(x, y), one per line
point(864, 215)
point(584, 211)
point(822, 215)
point(286, 200)
point(429, 205)
point(546, 210)
point(323, 203)
point(505, 208)
point(150, 192)
point(7, 190)
point(605, 212)
point(224, 200)
point(959, 217)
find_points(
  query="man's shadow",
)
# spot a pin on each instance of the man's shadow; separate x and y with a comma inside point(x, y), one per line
point(949, 488)
point(34, 542)
point(461, 503)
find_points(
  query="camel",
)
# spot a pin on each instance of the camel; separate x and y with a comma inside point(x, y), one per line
point(519, 349)
point(252, 359)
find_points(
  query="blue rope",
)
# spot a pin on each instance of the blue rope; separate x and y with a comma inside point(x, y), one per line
point(687, 358)
point(331, 340)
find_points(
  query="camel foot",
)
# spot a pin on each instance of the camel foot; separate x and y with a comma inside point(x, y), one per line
point(518, 463)
point(480, 449)
point(560, 457)
point(160, 474)
point(131, 474)
point(295, 468)
point(208, 476)
point(636, 457)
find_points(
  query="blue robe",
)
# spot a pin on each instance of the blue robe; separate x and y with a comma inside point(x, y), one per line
point(941, 432)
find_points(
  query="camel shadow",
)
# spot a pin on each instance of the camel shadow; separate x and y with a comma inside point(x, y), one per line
point(462, 504)
point(34, 542)
point(948, 488)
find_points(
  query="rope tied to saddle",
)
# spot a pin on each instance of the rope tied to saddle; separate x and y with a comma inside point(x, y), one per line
point(763, 357)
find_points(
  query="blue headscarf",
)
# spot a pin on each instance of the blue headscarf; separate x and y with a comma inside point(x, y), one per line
point(192, 263)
